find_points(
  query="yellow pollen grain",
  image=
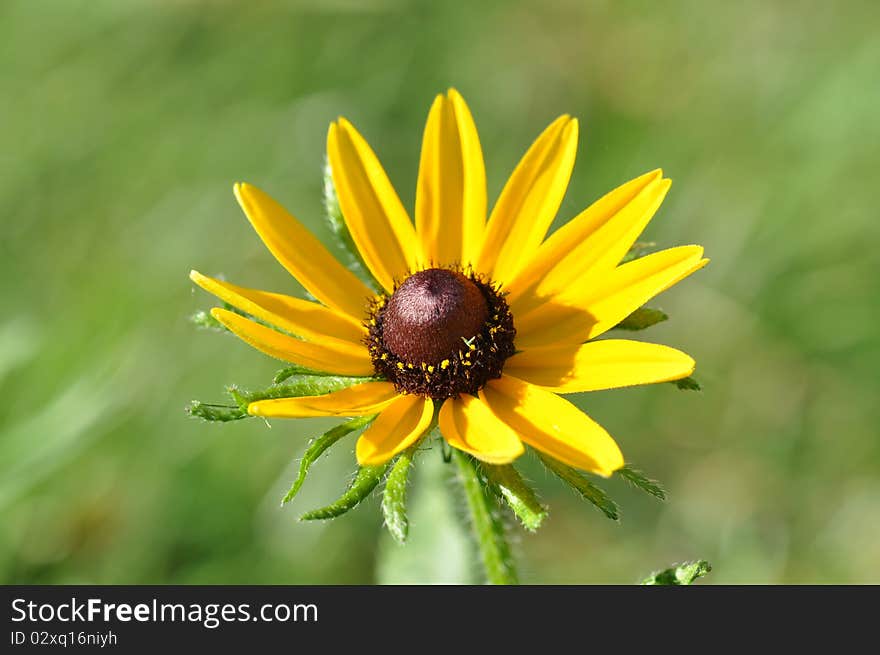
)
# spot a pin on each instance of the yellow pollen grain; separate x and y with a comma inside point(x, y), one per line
point(444, 364)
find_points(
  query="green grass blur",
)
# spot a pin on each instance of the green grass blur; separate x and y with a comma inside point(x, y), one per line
point(125, 125)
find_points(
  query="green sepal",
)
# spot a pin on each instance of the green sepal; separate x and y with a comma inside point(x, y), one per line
point(394, 497)
point(638, 249)
point(518, 495)
point(642, 318)
point(294, 369)
point(345, 245)
point(319, 446)
point(680, 574)
point(583, 486)
point(203, 320)
point(641, 481)
point(221, 413)
point(364, 482)
point(295, 386)
point(687, 384)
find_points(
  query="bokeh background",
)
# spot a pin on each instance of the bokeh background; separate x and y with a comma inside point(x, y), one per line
point(125, 124)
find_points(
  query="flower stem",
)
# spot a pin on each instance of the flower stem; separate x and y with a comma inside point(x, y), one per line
point(487, 525)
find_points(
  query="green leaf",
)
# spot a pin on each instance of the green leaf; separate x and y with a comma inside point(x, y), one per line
point(643, 317)
point(319, 446)
point(394, 498)
point(687, 384)
point(517, 494)
point(680, 574)
point(348, 251)
point(639, 480)
point(583, 486)
point(203, 320)
point(638, 249)
point(296, 386)
point(294, 369)
point(209, 412)
point(488, 527)
point(364, 482)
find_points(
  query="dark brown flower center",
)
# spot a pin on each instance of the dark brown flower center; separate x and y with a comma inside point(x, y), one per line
point(441, 333)
point(432, 315)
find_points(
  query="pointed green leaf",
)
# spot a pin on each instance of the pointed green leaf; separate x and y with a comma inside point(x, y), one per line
point(687, 384)
point(680, 574)
point(583, 486)
point(517, 494)
point(638, 249)
point(209, 412)
point(641, 481)
point(319, 446)
point(365, 481)
point(394, 498)
point(487, 524)
point(642, 318)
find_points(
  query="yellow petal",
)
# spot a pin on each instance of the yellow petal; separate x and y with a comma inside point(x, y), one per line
point(468, 424)
point(582, 313)
point(379, 225)
point(451, 191)
point(590, 244)
point(552, 425)
point(330, 355)
point(529, 202)
point(597, 365)
point(302, 254)
point(398, 427)
point(301, 317)
point(359, 400)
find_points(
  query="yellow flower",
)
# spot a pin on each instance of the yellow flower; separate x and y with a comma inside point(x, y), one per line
point(484, 321)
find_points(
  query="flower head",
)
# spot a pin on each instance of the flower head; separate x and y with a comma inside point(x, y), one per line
point(479, 326)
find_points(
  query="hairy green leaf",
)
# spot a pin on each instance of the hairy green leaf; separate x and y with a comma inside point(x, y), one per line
point(295, 386)
point(209, 412)
point(364, 482)
point(488, 527)
point(394, 498)
point(687, 384)
point(642, 318)
point(294, 369)
point(679, 574)
point(319, 446)
point(517, 494)
point(583, 486)
point(641, 481)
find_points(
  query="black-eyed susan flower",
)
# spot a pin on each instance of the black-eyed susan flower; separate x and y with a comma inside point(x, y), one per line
point(478, 325)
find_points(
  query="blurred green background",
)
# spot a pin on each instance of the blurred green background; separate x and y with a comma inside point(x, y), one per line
point(125, 124)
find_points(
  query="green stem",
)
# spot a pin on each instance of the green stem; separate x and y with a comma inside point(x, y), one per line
point(488, 528)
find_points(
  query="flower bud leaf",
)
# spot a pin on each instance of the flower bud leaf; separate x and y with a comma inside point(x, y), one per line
point(394, 497)
point(687, 384)
point(643, 317)
point(319, 446)
point(293, 369)
point(204, 321)
point(518, 495)
point(679, 574)
point(641, 481)
point(364, 482)
point(583, 486)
